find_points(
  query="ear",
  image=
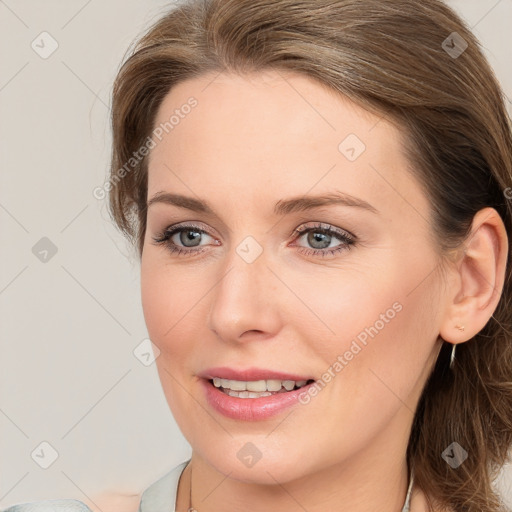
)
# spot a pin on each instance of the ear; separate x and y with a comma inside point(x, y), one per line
point(477, 278)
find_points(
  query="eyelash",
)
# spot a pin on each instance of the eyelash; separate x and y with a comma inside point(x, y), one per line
point(164, 238)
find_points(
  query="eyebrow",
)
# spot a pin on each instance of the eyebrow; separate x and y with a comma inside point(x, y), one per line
point(282, 207)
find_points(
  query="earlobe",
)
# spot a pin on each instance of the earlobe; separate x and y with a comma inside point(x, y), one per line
point(475, 291)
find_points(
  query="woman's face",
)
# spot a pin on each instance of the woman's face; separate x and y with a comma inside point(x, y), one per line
point(354, 300)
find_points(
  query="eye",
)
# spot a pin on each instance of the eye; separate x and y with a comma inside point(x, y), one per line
point(184, 239)
point(322, 238)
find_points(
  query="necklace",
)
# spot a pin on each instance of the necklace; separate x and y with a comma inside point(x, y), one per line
point(405, 508)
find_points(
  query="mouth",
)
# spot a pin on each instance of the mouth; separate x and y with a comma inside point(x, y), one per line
point(253, 394)
point(257, 388)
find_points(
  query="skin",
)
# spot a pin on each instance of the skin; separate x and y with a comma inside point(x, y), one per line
point(252, 141)
point(112, 501)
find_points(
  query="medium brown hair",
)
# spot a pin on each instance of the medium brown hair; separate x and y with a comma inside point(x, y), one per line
point(395, 58)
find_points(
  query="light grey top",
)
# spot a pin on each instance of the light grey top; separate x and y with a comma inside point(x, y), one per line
point(161, 495)
point(158, 497)
point(50, 506)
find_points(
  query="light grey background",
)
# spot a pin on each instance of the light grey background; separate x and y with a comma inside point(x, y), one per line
point(69, 325)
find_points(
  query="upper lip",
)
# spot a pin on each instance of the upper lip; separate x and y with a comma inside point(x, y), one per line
point(250, 374)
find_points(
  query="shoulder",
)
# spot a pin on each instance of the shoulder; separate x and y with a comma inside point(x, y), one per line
point(162, 494)
point(104, 502)
point(159, 495)
point(67, 505)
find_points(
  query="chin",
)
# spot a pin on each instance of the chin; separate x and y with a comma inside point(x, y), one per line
point(256, 462)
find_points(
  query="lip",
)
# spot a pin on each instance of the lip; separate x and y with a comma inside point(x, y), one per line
point(250, 409)
point(250, 374)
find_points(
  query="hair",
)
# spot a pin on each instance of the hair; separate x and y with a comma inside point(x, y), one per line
point(390, 57)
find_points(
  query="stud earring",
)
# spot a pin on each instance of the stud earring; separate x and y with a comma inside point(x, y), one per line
point(461, 328)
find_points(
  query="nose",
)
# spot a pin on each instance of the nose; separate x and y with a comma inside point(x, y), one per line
point(245, 303)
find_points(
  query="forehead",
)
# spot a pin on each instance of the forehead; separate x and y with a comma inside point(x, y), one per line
point(270, 106)
point(277, 129)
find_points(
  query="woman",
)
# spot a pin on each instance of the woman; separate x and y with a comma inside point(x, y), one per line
point(319, 193)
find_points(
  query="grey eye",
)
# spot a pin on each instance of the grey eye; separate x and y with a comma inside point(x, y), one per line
point(190, 238)
point(319, 240)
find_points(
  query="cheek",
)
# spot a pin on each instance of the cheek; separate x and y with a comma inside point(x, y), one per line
point(170, 300)
point(382, 376)
point(167, 302)
point(375, 329)
point(339, 304)
point(163, 307)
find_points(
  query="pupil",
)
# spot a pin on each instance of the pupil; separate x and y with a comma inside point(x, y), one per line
point(322, 239)
point(187, 236)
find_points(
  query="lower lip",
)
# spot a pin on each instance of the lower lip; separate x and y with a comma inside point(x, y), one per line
point(250, 409)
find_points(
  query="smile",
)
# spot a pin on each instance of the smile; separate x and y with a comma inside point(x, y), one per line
point(246, 405)
point(256, 388)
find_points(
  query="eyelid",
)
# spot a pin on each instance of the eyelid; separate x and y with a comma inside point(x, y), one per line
point(197, 225)
point(346, 238)
point(323, 226)
point(200, 226)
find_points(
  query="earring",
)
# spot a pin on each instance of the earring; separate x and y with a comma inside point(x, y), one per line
point(452, 357)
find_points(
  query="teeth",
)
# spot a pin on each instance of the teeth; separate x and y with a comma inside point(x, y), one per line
point(237, 385)
point(257, 387)
point(274, 385)
point(247, 394)
point(288, 384)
